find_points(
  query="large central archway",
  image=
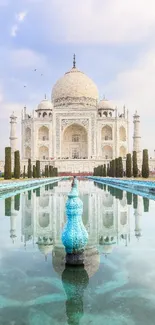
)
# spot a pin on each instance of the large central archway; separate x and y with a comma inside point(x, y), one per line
point(74, 143)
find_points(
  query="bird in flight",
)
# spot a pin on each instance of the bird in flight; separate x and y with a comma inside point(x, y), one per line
point(35, 69)
point(24, 86)
point(42, 74)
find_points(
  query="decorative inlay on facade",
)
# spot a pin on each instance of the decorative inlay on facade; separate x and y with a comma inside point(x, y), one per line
point(82, 101)
point(68, 122)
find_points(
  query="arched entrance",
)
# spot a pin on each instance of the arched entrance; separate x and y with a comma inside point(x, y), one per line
point(74, 143)
point(107, 152)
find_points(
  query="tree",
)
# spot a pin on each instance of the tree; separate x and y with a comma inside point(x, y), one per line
point(116, 167)
point(29, 195)
point(146, 204)
point(24, 173)
point(145, 164)
point(29, 172)
point(17, 164)
point(120, 167)
point(135, 166)
point(135, 201)
point(128, 165)
point(129, 198)
point(113, 168)
point(34, 171)
point(46, 171)
point(51, 171)
point(108, 170)
point(104, 170)
point(55, 172)
point(7, 168)
point(37, 169)
point(119, 194)
point(38, 192)
point(17, 202)
point(8, 207)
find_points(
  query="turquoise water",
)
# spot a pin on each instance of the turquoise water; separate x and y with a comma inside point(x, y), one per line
point(117, 285)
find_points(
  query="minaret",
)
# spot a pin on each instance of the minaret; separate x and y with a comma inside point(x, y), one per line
point(137, 214)
point(13, 219)
point(13, 134)
point(136, 135)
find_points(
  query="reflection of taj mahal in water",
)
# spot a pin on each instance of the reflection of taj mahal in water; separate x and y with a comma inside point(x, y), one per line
point(106, 216)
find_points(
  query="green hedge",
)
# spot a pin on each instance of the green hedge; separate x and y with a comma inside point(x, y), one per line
point(145, 164)
point(135, 166)
point(38, 169)
point(128, 165)
point(29, 171)
point(7, 167)
point(17, 164)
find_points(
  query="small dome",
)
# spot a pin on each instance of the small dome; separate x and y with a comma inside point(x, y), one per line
point(74, 87)
point(45, 249)
point(105, 104)
point(45, 245)
point(45, 104)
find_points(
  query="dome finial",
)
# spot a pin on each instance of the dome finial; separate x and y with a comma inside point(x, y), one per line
point(74, 61)
point(45, 96)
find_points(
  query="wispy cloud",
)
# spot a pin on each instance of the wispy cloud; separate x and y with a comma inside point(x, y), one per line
point(20, 17)
point(14, 30)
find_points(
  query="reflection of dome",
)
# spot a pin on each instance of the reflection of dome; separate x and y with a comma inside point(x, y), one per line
point(91, 260)
point(74, 87)
point(45, 249)
point(45, 245)
point(105, 104)
point(106, 244)
point(45, 105)
point(107, 249)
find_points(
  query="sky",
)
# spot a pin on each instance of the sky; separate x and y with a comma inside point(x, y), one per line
point(114, 44)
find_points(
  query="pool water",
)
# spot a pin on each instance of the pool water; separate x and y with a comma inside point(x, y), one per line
point(117, 284)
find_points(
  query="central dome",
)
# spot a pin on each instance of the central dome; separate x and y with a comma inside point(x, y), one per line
point(74, 88)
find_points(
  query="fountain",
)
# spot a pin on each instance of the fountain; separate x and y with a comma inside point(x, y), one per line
point(74, 236)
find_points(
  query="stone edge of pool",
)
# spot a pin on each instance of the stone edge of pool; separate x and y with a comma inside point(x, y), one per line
point(141, 186)
point(13, 185)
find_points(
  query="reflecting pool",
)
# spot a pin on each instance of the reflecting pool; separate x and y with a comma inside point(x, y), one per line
point(117, 284)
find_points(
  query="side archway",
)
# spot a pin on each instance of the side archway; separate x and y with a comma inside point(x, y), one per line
point(122, 133)
point(107, 152)
point(108, 219)
point(27, 152)
point(122, 152)
point(43, 133)
point(106, 133)
point(27, 134)
point(123, 218)
point(44, 219)
point(74, 142)
point(43, 153)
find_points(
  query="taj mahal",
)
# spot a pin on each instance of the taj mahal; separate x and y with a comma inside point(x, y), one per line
point(74, 130)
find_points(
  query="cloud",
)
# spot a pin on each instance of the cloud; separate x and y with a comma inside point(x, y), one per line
point(14, 30)
point(20, 17)
point(100, 21)
point(135, 88)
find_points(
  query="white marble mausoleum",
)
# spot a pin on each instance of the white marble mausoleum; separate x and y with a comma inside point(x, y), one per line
point(74, 130)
